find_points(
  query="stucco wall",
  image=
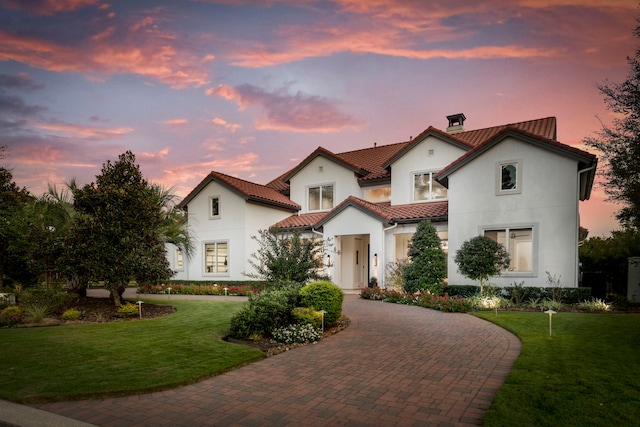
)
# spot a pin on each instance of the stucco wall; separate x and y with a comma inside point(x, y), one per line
point(548, 203)
point(344, 181)
point(418, 160)
point(238, 221)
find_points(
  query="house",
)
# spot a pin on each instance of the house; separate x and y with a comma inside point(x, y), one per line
point(514, 183)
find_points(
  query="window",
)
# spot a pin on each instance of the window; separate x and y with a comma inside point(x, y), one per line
point(321, 198)
point(377, 195)
point(214, 207)
point(216, 258)
point(179, 260)
point(509, 177)
point(426, 188)
point(519, 245)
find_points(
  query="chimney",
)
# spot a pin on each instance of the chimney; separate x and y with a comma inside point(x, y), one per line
point(456, 122)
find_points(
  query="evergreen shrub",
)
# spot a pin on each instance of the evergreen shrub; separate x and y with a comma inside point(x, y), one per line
point(323, 295)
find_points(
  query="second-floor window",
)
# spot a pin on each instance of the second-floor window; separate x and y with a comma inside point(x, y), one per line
point(214, 207)
point(320, 198)
point(426, 188)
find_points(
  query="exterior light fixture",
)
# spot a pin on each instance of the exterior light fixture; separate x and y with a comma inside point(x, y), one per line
point(375, 260)
point(550, 313)
point(140, 307)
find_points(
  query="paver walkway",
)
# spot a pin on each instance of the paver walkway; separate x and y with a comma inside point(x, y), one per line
point(394, 365)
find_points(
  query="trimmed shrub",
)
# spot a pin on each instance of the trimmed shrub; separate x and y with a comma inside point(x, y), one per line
point(128, 310)
point(71, 314)
point(304, 315)
point(323, 295)
point(266, 311)
point(464, 291)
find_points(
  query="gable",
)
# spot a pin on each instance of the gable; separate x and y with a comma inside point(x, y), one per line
point(583, 160)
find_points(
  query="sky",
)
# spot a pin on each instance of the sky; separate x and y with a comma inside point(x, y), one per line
point(251, 87)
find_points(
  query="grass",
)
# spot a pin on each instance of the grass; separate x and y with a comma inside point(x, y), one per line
point(119, 358)
point(586, 374)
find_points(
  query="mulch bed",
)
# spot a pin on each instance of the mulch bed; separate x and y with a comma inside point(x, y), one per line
point(271, 348)
point(101, 310)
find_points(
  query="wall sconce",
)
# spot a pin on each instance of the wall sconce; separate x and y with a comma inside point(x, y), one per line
point(328, 260)
point(375, 260)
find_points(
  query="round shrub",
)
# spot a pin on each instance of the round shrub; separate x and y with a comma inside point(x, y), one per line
point(71, 314)
point(323, 295)
point(128, 310)
point(304, 315)
point(265, 311)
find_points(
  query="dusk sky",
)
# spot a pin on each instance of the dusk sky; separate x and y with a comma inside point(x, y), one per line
point(250, 88)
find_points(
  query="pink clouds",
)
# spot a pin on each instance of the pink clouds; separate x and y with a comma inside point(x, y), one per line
point(88, 132)
point(113, 50)
point(230, 126)
point(47, 7)
point(285, 112)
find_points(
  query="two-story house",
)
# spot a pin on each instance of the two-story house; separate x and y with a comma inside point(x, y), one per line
point(514, 183)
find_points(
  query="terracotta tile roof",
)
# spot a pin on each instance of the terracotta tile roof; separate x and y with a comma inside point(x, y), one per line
point(323, 152)
point(302, 221)
point(372, 163)
point(249, 190)
point(392, 214)
point(545, 128)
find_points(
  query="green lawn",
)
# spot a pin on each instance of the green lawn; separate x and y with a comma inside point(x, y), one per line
point(82, 361)
point(587, 374)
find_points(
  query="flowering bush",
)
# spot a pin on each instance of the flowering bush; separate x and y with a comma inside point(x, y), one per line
point(426, 300)
point(296, 334)
point(195, 289)
point(11, 316)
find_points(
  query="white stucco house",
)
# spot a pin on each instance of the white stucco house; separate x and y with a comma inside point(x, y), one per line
point(514, 183)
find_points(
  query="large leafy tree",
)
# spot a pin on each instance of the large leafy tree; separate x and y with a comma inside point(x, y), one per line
point(480, 258)
point(116, 236)
point(428, 265)
point(619, 143)
point(14, 228)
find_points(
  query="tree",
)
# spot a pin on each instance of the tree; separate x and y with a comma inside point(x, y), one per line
point(428, 265)
point(14, 242)
point(480, 258)
point(116, 234)
point(283, 258)
point(620, 144)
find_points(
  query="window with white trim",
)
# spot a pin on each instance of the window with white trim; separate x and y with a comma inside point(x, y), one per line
point(519, 244)
point(509, 177)
point(426, 188)
point(214, 207)
point(320, 198)
point(216, 258)
point(179, 259)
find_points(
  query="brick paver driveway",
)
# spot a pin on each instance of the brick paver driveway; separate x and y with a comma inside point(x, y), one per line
point(395, 365)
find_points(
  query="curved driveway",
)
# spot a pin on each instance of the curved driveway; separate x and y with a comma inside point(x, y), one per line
point(394, 365)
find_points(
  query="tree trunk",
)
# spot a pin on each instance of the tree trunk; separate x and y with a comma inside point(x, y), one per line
point(116, 295)
point(77, 284)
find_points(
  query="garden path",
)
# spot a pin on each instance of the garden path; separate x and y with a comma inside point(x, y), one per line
point(394, 365)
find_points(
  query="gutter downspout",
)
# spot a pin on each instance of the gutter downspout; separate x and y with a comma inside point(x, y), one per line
point(577, 260)
point(384, 244)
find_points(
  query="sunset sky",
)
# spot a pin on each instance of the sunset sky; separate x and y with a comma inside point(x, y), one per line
point(251, 87)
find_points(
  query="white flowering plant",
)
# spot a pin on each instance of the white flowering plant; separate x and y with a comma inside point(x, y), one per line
point(296, 334)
